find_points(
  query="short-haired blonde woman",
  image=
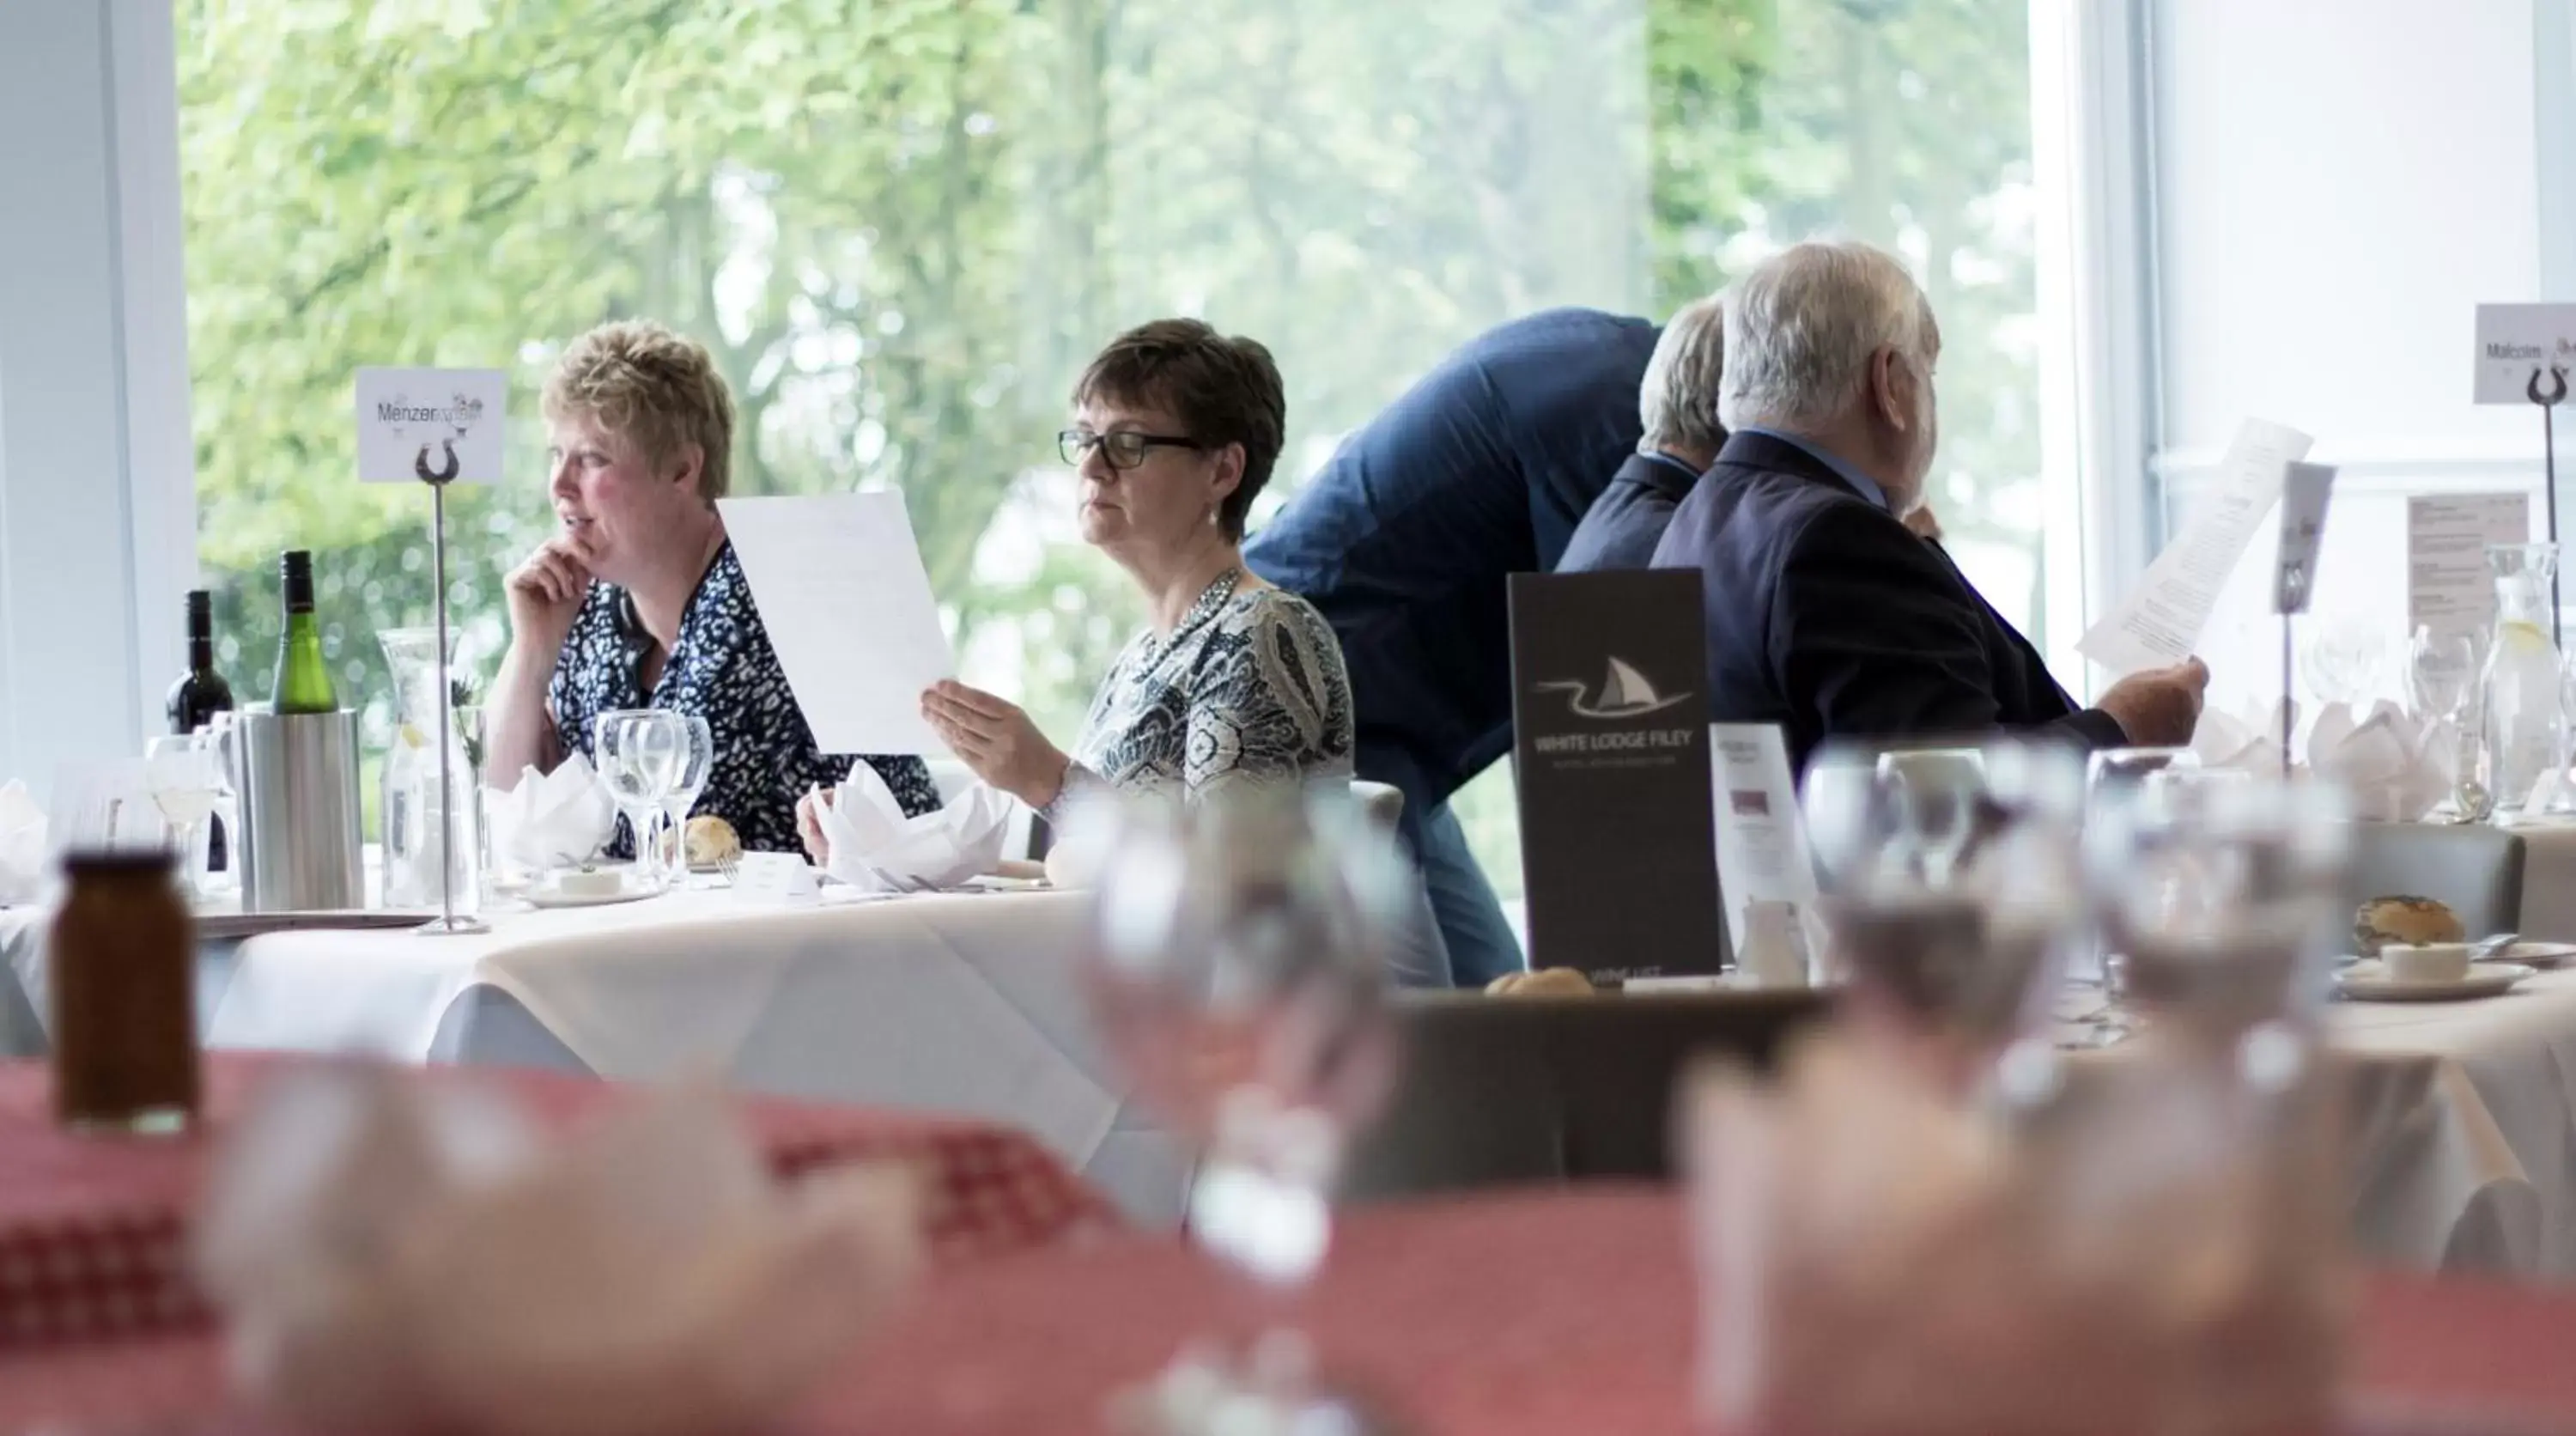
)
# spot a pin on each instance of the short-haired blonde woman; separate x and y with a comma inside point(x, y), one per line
point(638, 601)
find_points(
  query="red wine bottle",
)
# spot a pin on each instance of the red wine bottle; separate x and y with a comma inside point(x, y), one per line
point(199, 695)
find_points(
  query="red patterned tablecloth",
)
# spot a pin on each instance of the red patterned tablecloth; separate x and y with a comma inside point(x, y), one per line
point(1510, 1316)
point(92, 1229)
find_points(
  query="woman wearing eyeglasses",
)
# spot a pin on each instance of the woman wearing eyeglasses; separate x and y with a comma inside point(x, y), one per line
point(1175, 430)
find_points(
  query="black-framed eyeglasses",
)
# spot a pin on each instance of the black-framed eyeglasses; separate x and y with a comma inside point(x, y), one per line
point(1125, 447)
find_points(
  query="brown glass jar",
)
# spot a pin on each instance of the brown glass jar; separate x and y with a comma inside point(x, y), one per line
point(123, 982)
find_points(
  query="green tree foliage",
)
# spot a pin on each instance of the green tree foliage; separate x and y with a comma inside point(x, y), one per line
point(902, 225)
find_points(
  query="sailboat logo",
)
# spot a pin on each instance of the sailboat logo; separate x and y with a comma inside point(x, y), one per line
point(1624, 693)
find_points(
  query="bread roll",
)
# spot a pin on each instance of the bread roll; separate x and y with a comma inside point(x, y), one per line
point(711, 840)
point(1546, 982)
point(2404, 920)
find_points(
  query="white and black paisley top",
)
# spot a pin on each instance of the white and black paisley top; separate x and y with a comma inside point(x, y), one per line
point(722, 670)
point(1248, 688)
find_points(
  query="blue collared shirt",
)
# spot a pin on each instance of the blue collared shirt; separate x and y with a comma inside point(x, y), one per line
point(1861, 484)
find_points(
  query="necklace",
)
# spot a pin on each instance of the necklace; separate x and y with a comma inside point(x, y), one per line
point(1210, 599)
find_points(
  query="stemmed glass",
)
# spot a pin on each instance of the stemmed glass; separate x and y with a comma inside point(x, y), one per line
point(1236, 969)
point(2442, 685)
point(640, 753)
point(2109, 777)
point(2221, 895)
point(1948, 888)
point(179, 771)
point(697, 761)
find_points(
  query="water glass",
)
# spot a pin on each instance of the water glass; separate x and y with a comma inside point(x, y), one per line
point(1236, 970)
point(1948, 888)
point(697, 762)
point(640, 753)
point(182, 777)
point(2224, 896)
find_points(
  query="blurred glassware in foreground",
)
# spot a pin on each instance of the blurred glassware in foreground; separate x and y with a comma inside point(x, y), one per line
point(1237, 969)
point(2139, 1247)
point(1949, 888)
point(2112, 776)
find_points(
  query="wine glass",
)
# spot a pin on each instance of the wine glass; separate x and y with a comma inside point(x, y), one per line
point(1236, 969)
point(640, 753)
point(1948, 889)
point(2109, 776)
point(2222, 896)
point(697, 761)
point(179, 774)
point(2442, 687)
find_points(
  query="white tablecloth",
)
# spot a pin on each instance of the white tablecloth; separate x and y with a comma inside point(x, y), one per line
point(2468, 1128)
point(958, 1002)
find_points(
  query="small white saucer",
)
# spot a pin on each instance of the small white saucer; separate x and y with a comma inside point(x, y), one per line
point(546, 894)
point(2540, 955)
point(2369, 982)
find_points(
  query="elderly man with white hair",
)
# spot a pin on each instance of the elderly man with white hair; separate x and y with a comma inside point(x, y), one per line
point(1825, 613)
point(1677, 405)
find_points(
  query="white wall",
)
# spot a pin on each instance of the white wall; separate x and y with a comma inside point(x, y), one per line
point(97, 515)
point(2338, 184)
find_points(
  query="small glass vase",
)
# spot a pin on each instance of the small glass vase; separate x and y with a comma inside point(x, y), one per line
point(412, 808)
point(2523, 717)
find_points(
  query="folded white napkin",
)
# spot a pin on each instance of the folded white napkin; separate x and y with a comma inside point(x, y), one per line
point(2395, 766)
point(386, 1245)
point(24, 858)
point(875, 848)
point(551, 819)
point(2247, 742)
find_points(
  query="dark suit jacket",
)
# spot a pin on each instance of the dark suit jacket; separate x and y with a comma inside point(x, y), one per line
point(1828, 617)
point(1627, 521)
point(1404, 539)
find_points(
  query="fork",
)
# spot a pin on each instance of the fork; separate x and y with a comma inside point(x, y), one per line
point(731, 870)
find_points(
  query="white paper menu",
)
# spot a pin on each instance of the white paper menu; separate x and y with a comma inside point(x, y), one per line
point(840, 586)
point(2448, 586)
point(2160, 622)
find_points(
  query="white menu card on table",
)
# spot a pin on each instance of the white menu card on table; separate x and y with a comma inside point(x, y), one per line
point(840, 586)
point(1762, 854)
point(2448, 586)
point(2160, 622)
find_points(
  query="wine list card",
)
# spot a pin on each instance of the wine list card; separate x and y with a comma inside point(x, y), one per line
point(1611, 757)
point(431, 425)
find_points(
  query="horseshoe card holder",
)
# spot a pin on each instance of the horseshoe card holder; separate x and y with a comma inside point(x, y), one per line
point(2548, 395)
point(448, 923)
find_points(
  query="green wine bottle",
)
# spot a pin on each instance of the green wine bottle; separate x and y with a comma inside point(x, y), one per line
point(303, 680)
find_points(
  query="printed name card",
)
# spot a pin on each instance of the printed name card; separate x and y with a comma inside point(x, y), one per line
point(2522, 343)
point(775, 878)
point(1610, 734)
point(434, 426)
point(2449, 588)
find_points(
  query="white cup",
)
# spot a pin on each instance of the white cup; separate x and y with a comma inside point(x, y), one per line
point(2426, 962)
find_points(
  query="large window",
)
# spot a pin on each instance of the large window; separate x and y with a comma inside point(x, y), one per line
point(902, 228)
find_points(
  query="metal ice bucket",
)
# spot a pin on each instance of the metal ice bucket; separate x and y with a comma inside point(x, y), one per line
point(297, 774)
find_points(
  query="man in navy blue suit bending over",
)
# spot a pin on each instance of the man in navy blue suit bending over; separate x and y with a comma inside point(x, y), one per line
point(1405, 541)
